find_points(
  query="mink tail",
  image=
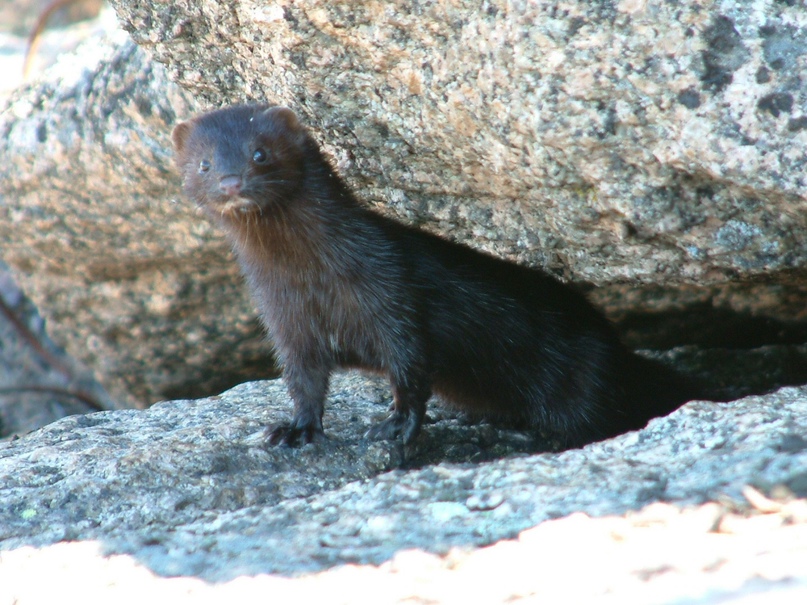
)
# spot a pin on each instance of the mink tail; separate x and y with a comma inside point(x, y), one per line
point(640, 389)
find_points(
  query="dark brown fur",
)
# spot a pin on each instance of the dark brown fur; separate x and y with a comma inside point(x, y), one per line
point(337, 285)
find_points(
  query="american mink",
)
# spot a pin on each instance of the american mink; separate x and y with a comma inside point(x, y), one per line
point(338, 285)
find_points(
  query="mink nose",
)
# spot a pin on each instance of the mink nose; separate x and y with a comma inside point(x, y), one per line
point(230, 185)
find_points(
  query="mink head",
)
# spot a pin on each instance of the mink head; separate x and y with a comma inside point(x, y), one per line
point(241, 159)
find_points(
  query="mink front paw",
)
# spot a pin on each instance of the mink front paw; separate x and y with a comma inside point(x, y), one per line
point(286, 433)
point(396, 425)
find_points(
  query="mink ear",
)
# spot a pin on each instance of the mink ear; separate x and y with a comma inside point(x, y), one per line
point(180, 135)
point(284, 115)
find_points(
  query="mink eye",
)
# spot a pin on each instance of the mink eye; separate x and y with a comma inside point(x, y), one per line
point(259, 156)
point(204, 166)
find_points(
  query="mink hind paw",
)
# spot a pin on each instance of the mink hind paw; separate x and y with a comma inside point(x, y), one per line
point(286, 433)
point(397, 424)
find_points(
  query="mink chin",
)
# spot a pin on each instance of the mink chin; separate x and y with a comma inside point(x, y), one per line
point(337, 285)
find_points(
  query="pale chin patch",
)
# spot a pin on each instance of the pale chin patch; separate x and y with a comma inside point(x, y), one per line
point(239, 205)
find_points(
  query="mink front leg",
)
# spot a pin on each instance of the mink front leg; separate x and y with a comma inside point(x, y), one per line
point(308, 387)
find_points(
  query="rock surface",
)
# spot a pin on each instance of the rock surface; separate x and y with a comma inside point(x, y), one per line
point(187, 488)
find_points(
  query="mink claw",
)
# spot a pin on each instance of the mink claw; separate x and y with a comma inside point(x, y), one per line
point(285, 433)
point(397, 424)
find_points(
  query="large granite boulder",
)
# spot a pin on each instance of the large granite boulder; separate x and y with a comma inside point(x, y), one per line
point(606, 140)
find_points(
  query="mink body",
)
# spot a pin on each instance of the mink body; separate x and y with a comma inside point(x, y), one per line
point(338, 285)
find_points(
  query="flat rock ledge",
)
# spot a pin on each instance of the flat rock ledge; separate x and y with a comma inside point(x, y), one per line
point(185, 501)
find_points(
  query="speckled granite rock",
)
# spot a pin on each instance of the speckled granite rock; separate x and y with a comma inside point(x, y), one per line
point(609, 140)
point(187, 488)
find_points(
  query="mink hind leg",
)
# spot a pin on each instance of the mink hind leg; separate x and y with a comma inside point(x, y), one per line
point(308, 386)
point(410, 394)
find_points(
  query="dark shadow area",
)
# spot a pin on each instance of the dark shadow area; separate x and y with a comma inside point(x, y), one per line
point(739, 339)
point(221, 375)
point(708, 327)
point(732, 373)
point(227, 360)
